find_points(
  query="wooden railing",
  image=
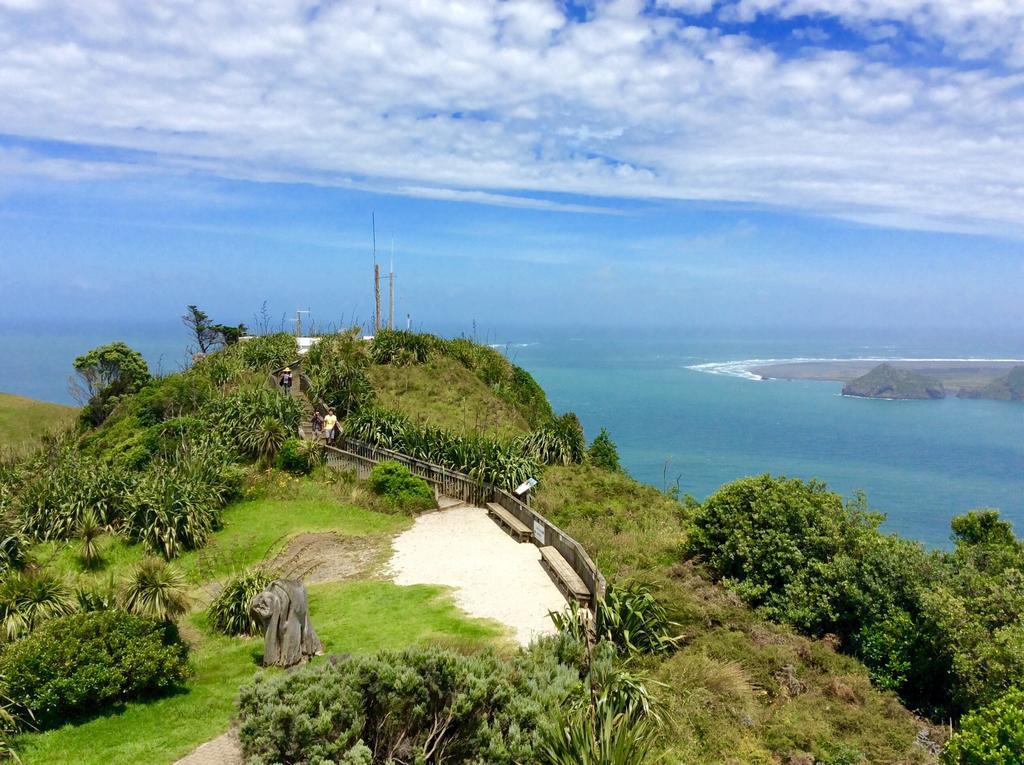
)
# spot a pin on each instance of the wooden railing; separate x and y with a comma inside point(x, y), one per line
point(358, 455)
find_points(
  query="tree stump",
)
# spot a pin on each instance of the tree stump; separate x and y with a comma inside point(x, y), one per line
point(283, 613)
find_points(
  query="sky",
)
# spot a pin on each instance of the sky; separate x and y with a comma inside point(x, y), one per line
point(610, 163)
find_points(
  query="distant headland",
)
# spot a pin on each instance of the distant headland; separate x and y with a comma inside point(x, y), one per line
point(1001, 379)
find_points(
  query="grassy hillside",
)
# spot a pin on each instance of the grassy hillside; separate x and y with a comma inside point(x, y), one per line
point(442, 392)
point(740, 689)
point(24, 420)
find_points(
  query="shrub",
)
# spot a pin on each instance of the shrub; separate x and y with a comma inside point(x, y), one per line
point(336, 369)
point(635, 621)
point(604, 734)
point(420, 705)
point(400, 347)
point(229, 612)
point(256, 420)
point(78, 665)
point(267, 352)
point(559, 442)
point(603, 452)
point(488, 460)
point(991, 735)
point(155, 590)
point(28, 598)
point(401, 488)
point(171, 513)
point(12, 542)
point(295, 457)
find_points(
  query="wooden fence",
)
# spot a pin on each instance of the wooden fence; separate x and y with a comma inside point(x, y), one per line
point(351, 453)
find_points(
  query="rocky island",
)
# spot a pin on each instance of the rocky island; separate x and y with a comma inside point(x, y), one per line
point(887, 381)
point(1009, 387)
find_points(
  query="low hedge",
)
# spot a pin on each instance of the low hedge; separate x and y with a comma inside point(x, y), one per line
point(419, 705)
point(81, 664)
point(401, 488)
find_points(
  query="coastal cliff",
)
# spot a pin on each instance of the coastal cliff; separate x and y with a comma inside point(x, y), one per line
point(886, 381)
point(1009, 387)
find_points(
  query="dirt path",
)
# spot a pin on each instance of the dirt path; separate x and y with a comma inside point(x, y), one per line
point(492, 575)
point(223, 750)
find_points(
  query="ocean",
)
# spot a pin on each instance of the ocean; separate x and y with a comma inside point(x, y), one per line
point(681, 408)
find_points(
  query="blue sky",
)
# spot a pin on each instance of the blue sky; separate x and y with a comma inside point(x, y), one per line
point(680, 162)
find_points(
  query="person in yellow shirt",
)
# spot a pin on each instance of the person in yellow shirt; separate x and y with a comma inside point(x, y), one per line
point(330, 427)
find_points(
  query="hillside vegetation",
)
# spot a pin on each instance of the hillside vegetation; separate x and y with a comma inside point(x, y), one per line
point(772, 623)
point(443, 393)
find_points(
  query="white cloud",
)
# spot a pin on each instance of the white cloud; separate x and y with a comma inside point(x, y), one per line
point(474, 100)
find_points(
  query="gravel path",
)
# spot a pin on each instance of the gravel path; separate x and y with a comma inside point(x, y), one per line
point(493, 576)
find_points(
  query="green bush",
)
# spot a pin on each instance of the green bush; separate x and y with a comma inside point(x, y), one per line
point(79, 665)
point(155, 590)
point(229, 612)
point(400, 347)
point(603, 452)
point(420, 705)
point(503, 463)
point(635, 621)
point(558, 442)
point(28, 599)
point(266, 352)
point(991, 735)
point(401, 488)
point(256, 420)
point(294, 457)
point(336, 369)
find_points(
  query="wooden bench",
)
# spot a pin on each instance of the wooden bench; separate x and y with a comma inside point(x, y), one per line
point(564, 575)
point(516, 527)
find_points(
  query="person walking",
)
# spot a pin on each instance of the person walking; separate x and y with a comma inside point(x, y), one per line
point(331, 427)
point(318, 424)
point(286, 381)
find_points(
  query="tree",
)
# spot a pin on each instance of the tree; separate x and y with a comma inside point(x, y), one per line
point(200, 327)
point(104, 375)
point(603, 453)
point(210, 336)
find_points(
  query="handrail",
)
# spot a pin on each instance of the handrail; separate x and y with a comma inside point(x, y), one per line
point(363, 456)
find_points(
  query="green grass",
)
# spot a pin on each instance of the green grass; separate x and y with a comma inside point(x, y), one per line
point(252, 530)
point(443, 393)
point(350, 617)
point(24, 421)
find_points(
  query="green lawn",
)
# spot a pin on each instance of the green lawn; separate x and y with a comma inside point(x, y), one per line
point(350, 617)
point(252, 530)
point(23, 420)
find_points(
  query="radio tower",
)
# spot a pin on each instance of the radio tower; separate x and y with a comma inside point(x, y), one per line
point(376, 276)
point(391, 287)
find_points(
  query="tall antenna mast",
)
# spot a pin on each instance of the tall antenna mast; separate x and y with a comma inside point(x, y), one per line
point(391, 287)
point(376, 276)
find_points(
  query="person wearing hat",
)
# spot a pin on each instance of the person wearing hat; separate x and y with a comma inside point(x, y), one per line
point(286, 380)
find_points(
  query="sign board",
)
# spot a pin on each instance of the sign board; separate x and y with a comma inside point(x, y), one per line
point(525, 486)
point(538, 531)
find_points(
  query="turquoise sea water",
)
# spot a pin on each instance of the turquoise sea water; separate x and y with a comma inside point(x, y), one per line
point(920, 462)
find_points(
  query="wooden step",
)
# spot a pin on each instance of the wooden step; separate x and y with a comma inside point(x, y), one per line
point(564, 575)
point(516, 527)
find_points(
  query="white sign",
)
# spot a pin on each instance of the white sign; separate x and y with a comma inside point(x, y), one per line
point(538, 530)
point(525, 486)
